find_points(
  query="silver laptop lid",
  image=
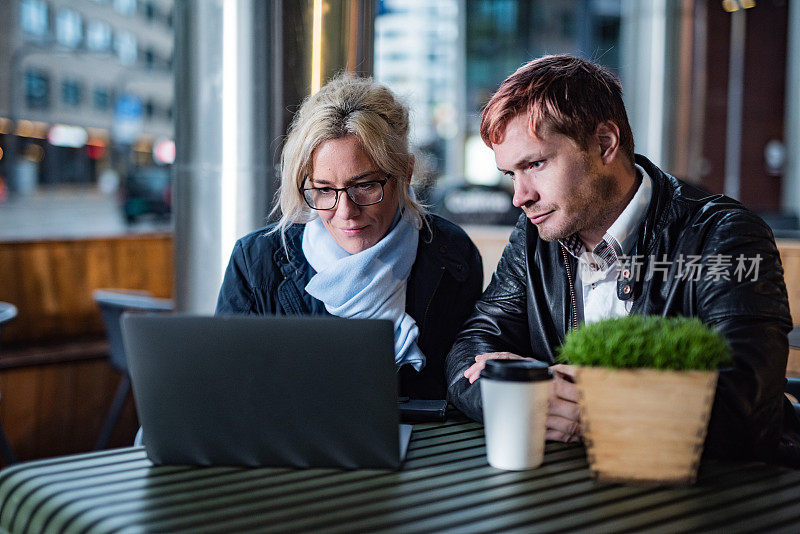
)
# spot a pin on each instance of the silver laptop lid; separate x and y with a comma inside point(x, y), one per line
point(265, 391)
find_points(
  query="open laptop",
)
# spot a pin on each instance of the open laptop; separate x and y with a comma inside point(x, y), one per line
point(266, 391)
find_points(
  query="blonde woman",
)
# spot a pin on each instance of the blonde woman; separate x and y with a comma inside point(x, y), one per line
point(352, 241)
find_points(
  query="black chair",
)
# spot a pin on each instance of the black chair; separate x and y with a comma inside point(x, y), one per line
point(7, 312)
point(112, 303)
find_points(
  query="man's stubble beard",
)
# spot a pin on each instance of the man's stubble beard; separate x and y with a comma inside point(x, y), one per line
point(596, 207)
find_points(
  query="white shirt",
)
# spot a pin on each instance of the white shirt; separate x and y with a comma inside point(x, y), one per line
point(596, 277)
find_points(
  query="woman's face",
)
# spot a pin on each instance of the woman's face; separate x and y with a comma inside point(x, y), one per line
point(341, 163)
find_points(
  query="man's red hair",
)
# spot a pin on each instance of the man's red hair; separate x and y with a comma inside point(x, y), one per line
point(562, 94)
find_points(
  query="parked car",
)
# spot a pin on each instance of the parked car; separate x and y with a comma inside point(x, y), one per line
point(147, 190)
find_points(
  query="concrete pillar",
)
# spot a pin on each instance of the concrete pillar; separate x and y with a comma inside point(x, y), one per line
point(242, 68)
point(221, 175)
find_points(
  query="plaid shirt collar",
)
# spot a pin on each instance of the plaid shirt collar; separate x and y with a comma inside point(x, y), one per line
point(605, 254)
point(607, 251)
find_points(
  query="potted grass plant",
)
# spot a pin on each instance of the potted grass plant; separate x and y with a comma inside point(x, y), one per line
point(646, 386)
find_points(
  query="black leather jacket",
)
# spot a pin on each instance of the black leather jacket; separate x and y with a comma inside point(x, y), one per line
point(445, 281)
point(529, 306)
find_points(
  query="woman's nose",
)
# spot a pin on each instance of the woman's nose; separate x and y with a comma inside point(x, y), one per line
point(524, 192)
point(346, 208)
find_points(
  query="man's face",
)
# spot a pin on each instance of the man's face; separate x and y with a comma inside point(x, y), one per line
point(556, 183)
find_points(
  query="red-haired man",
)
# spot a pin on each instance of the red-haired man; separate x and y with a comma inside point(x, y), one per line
point(605, 233)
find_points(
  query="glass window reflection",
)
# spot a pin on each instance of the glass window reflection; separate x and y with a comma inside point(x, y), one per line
point(98, 36)
point(101, 98)
point(125, 47)
point(447, 64)
point(71, 93)
point(125, 7)
point(73, 65)
point(37, 89)
point(69, 28)
point(34, 17)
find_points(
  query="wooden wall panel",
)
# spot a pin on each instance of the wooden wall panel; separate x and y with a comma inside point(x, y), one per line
point(53, 400)
point(51, 282)
point(18, 409)
point(790, 257)
point(10, 277)
point(491, 242)
point(55, 409)
point(793, 363)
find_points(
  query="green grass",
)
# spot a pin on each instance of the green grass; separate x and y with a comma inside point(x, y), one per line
point(654, 342)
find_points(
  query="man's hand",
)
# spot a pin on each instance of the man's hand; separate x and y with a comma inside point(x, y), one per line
point(475, 369)
point(563, 415)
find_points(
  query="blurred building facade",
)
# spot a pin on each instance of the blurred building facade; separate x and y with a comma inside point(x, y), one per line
point(88, 84)
point(418, 53)
point(705, 81)
point(709, 84)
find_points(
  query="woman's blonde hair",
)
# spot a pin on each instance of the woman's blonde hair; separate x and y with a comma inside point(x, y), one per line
point(347, 105)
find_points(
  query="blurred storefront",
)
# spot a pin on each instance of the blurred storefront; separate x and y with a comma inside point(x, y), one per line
point(88, 90)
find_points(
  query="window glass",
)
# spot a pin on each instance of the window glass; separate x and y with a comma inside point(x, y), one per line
point(37, 89)
point(149, 58)
point(447, 64)
point(416, 54)
point(125, 7)
point(101, 98)
point(69, 28)
point(75, 66)
point(125, 47)
point(71, 93)
point(34, 17)
point(98, 36)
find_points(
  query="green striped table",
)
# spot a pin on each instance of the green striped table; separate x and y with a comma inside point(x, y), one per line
point(445, 485)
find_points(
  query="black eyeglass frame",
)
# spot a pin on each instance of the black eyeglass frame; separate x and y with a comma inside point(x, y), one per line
point(382, 182)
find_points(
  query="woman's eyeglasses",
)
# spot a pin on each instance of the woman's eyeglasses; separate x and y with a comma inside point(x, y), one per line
point(362, 194)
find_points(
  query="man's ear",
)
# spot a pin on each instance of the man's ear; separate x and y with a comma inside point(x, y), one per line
point(607, 138)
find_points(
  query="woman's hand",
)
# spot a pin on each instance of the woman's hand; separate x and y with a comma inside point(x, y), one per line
point(475, 369)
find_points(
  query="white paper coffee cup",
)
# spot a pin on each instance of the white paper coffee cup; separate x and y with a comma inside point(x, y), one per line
point(515, 395)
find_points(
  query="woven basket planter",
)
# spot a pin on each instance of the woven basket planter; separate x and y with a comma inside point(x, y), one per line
point(645, 425)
